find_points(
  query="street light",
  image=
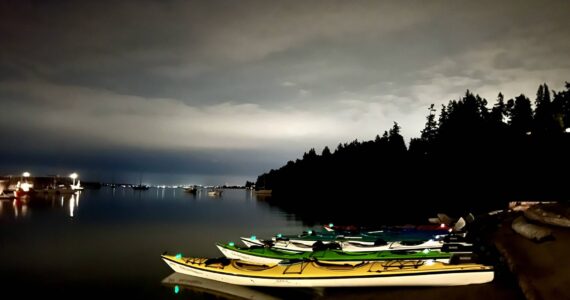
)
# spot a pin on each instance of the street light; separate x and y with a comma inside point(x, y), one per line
point(73, 176)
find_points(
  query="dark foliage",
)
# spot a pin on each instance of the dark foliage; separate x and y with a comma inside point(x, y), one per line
point(470, 155)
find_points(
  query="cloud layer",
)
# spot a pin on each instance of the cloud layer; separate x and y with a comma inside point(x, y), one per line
point(252, 84)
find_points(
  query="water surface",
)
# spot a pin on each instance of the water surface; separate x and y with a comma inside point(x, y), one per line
point(107, 243)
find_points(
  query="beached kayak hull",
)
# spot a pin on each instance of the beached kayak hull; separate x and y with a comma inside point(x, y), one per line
point(308, 274)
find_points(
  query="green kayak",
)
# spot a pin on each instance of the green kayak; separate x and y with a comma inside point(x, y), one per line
point(265, 255)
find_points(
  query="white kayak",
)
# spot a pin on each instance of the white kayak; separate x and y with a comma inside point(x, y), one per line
point(352, 246)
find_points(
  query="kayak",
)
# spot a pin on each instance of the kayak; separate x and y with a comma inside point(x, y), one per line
point(366, 238)
point(265, 255)
point(419, 245)
point(440, 227)
point(319, 274)
point(357, 246)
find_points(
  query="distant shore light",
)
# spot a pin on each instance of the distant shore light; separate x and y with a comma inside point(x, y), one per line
point(26, 174)
point(567, 130)
point(73, 175)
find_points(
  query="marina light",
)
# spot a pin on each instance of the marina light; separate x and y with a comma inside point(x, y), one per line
point(73, 176)
point(567, 130)
point(25, 187)
point(429, 262)
point(176, 289)
point(279, 235)
point(26, 174)
point(442, 225)
point(253, 237)
point(178, 256)
point(426, 251)
point(331, 225)
point(231, 244)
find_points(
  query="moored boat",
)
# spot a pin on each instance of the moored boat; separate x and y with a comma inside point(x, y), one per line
point(191, 190)
point(140, 187)
point(215, 193)
point(319, 274)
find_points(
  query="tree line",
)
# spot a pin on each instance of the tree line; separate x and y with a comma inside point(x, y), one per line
point(468, 153)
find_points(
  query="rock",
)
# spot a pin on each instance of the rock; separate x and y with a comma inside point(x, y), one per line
point(549, 214)
point(530, 231)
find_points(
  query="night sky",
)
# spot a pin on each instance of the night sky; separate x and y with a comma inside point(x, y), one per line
point(217, 92)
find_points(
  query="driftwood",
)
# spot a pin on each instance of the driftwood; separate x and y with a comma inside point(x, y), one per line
point(548, 214)
point(530, 231)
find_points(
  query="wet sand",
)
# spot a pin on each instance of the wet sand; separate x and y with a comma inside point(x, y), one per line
point(542, 269)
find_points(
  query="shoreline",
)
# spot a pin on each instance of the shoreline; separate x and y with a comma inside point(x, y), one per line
point(542, 269)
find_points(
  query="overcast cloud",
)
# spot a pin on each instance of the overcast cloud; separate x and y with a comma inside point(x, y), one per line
point(215, 92)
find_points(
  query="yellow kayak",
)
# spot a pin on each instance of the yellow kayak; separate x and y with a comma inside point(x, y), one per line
point(319, 274)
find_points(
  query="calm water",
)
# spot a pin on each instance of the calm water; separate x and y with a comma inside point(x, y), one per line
point(107, 243)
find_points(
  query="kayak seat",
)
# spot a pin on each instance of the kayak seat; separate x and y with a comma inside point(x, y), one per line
point(380, 242)
point(217, 262)
point(332, 266)
point(411, 243)
point(267, 243)
point(250, 267)
point(319, 246)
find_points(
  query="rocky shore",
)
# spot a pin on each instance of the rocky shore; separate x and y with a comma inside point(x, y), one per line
point(542, 268)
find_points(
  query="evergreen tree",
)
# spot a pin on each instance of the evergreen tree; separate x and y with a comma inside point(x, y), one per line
point(521, 115)
point(430, 131)
point(326, 152)
point(396, 140)
point(499, 110)
point(339, 148)
point(543, 117)
point(312, 154)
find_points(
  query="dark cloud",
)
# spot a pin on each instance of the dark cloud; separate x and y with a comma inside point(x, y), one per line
point(197, 78)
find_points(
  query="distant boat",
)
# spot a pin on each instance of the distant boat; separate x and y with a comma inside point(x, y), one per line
point(215, 193)
point(58, 190)
point(191, 190)
point(140, 187)
point(7, 196)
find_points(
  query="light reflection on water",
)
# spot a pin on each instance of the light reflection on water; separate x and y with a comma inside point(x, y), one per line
point(110, 245)
point(111, 239)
